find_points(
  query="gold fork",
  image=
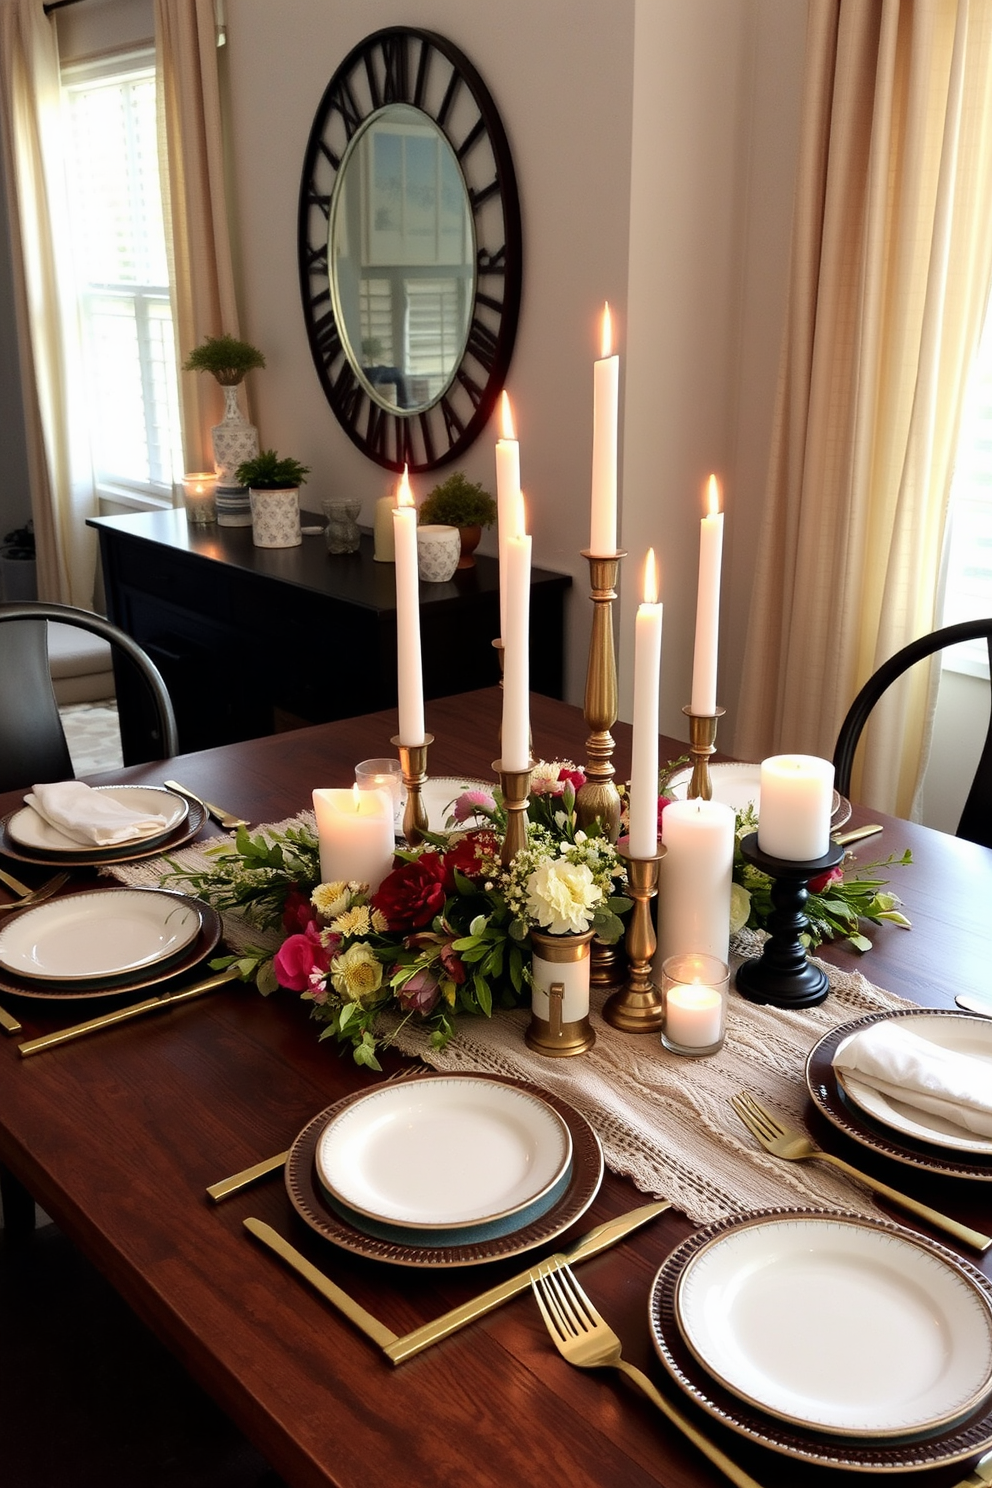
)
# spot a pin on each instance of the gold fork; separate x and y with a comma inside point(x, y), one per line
point(36, 896)
point(795, 1146)
point(583, 1337)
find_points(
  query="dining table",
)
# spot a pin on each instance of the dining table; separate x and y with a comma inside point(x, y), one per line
point(118, 1136)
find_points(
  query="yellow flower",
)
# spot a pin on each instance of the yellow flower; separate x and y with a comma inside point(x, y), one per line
point(354, 921)
point(357, 974)
point(330, 899)
point(379, 922)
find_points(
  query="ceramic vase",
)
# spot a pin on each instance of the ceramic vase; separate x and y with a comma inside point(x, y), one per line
point(275, 518)
point(235, 440)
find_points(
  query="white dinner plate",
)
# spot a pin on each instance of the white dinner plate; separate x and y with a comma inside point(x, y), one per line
point(107, 933)
point(972, 1036)
point(838, 1326)
point(443, 1153)
point(440, 794)
point(739, 786)
point(32, 831)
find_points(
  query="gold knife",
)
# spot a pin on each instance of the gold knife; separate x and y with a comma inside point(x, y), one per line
point(121, 1015)
point(228, 1186)
point(401, 1349)
point(980, 1475)
point(8, 1022)
point(14, 884)
point(857, 834)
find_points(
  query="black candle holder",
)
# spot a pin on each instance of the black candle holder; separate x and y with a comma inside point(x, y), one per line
point(783, 975)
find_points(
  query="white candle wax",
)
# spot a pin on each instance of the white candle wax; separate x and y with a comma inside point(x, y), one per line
point(605, 414)
point(795, 806)
point(385, 545)
point(644, 756)
point(704, 660)
point(409, 666)
point(693, 1016)
point(508, 504)
point(574, 977)
point(355, 832)
point(515, 738)
point(199, 488)
point(694, 880)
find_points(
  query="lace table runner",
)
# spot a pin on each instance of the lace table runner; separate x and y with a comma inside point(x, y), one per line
point(665, 1121)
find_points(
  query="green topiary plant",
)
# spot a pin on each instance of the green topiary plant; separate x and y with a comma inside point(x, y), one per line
point(267, 472)
point(225, 358)
point(458, 502)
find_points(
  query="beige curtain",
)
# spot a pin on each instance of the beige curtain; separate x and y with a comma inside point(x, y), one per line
point(62, 492)
point(196, 208)
point(891, 265)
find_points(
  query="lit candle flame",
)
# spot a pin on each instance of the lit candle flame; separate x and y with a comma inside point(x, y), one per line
point(712, 496)
point(404, 496)
point(606, 347)
point(650, 578)
point(506, 417)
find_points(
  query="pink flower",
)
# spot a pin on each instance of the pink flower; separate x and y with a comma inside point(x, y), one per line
point(420, 993)
point(299, 957)
point(824, 880)
point(663, 801)
point(470, 803)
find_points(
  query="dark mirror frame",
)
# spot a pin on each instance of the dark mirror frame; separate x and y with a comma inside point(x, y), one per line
point(402, 65)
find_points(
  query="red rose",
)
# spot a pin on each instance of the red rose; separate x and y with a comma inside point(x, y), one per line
point(465, 856)
point(412, 894)
point(824, 880)
point(453, 964)
point(298, 957)
point(576, 778)
point(297, 912)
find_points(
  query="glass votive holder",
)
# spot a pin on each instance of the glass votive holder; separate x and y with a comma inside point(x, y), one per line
point(199, 493)
point(694, 989)
point(342, 532)
point(385, 775)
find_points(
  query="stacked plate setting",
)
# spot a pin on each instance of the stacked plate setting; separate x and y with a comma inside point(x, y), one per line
point(29, 838)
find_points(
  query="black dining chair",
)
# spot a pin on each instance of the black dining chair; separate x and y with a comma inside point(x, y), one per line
point(32, 740)
point(976, 818)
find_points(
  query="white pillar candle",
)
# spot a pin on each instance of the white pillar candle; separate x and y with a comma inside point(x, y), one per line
point(794, 807)
point(708, 606)
point(644, 757)
point(355, 832)
point(508, 504)
point(694, 880)
point(515, 737)
point(574, 977)
point(694, 1016)
point(199, 487)
point(605, 414)
point(384, 550)
point(409, 666)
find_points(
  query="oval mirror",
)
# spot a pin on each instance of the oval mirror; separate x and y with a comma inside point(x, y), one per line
point(409, 247)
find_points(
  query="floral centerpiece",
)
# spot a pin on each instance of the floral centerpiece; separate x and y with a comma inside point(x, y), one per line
point(446, 932)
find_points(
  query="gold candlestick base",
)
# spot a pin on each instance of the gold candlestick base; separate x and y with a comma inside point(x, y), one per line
point(608, 967)
point(515, 785)
point(413, 763)
point(638, 1006)
point(702, 743)
point(598, 800)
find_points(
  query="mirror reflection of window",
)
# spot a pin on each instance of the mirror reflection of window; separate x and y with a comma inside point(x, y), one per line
point(403, 254)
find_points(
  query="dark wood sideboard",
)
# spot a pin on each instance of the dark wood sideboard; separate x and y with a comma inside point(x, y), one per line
point(252, 640)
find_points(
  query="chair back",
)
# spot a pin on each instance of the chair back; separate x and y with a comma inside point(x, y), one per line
point(976, 818)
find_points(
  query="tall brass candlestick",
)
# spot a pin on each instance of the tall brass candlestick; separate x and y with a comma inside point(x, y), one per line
point(638, 1006)
point(702, 743)
point(413, 763)
point(515, 785)
point(598, 799)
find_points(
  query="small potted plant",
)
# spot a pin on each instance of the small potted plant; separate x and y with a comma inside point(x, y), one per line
point(459, 502)
point(274, 487)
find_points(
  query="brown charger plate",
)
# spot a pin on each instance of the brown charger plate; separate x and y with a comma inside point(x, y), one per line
point(955, 1443)
point(830, 1101)
point(155, 976)
point(587, 1175)
point(186, 830)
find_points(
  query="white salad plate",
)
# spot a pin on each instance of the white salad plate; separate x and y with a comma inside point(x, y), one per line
point(106, 933)
point(440, 795)
point(739, 786)
point(838, 1326)
point(443, 1153)
point(32, 831)
point(971, 1036)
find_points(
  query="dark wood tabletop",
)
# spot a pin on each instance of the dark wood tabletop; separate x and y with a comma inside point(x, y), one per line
point(118, 1136)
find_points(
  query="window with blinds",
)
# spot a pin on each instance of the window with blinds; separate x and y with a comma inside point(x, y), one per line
point(122, 275)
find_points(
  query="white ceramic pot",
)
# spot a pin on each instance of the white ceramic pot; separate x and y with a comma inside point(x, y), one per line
point(275, 518)
point(438, 552)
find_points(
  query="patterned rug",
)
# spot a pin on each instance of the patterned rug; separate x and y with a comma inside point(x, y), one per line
point(93, 736)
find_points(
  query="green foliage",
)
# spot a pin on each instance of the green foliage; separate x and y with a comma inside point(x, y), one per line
point(458, 502)
point(225, 357)
point(267, 472)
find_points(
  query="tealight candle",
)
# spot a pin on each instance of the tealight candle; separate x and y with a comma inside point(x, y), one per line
point(695, 990)
point(794, 807)
point(198, 497)
point(355, 833)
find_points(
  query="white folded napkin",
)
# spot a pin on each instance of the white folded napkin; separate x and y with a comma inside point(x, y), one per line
point(902, 1065)
point(91, 817)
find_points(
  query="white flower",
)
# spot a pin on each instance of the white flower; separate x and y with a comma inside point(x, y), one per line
point(561, 896)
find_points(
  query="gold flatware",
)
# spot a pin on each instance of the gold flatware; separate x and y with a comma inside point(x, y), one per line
point(401, 1349)
point(334, 1294)
point(8, 1022)
point(858, 834)
point(223, 818)
point(237, 1181)
point(36, 896)
point(585, 1339)
point(14, 884)
point(122, 1015)
point(980, 1475)
point(795, 1146)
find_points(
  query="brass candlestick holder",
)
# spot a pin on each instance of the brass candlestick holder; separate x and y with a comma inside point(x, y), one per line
point(515, 785)
point(598, 799)
point(638, 1006)
point(413, 763)
point(702, 743)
